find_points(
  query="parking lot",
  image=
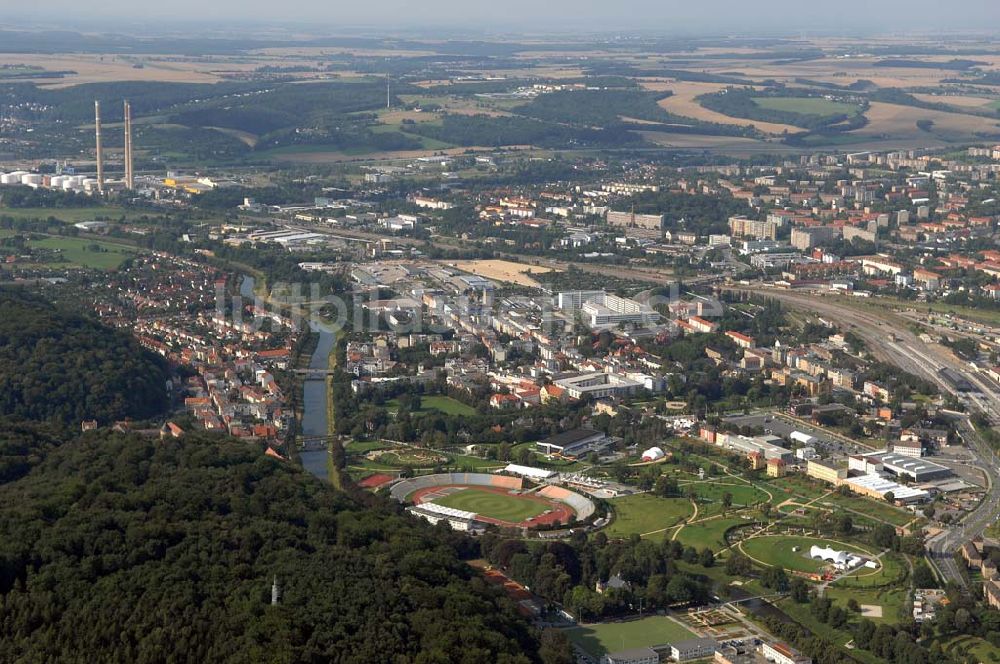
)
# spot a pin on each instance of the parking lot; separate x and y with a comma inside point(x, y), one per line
point(778, 425)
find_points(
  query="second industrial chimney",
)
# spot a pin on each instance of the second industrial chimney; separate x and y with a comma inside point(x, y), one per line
point(100, 152)
point(129, 173)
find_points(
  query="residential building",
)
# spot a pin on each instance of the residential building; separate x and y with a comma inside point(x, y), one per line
point(825, 471)
point(631, 219)
point(740, 226)
point(775, 468)
point(779, 653)
point(909, 448)
point(633, 656)
point(804, 239)
point(689, 649)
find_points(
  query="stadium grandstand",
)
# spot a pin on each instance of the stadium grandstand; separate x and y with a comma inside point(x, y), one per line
point(408, 489)
point(402, 490)
point(584, 507)
point(530, 472)
point(457, 519)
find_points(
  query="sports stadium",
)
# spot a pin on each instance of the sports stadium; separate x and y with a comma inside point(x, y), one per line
point(469, 501)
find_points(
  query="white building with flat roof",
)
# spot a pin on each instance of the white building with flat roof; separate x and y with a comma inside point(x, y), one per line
point(602, 309)
point(598, 385)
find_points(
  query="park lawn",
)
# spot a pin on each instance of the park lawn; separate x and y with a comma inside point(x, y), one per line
point(801, 614)
point(777, 550)
point(601, 638)
point(893, 570)
point(806, 105)
point(78, 254)
point(644, 513)
point(801, 487)
point(493, 505)
point(873, 508)
point(440, 403)
point(447, 405)
point(980, 649)
point(743, 495)
point(363, 446)
point(708, 534)
point(890, 599)
point(476, 463)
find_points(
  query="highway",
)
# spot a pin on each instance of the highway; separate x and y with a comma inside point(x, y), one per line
point(889, 339)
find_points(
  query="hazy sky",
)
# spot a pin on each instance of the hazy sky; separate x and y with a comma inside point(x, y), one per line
point(533, 15)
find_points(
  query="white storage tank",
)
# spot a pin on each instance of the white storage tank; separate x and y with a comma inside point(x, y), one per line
point(31, 179)
point(57, 181)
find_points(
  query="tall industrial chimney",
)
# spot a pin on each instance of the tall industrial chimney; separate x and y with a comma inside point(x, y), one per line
point(129, 174)
point(100, 151)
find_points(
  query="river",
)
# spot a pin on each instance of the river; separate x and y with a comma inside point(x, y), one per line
point(314, 413)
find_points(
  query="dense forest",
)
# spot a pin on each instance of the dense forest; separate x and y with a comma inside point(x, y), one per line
point(497, 131)
point(611, 108)
point(596, 107)
point(115, 548)
point(67, 368)
point(701, 214)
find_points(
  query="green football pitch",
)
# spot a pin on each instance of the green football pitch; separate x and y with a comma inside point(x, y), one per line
point(493, 505)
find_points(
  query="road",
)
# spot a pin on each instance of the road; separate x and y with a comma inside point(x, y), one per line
point(888, 337)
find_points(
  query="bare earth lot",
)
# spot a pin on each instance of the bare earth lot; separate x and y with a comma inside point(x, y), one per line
point(499, 270)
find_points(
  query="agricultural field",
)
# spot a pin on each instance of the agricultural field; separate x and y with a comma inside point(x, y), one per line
point(806, 105)
point(493, 505)
point(69, 215)
point(683, 102)
point(647, 515)
point(600, 639)
point(901, 121)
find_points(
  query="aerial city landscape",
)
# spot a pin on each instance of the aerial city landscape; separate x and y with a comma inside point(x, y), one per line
point(430, 339)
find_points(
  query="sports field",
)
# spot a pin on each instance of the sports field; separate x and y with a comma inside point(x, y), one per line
point(777, 550)
point(602, 638)
point(493, 505)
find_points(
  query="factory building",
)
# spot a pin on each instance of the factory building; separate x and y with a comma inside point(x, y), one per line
point(915, 469)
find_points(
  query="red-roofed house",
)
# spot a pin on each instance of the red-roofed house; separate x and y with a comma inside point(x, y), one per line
point(741, 340)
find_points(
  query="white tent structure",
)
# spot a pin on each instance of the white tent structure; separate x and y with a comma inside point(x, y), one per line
point(829, 555)
point(652, 454)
